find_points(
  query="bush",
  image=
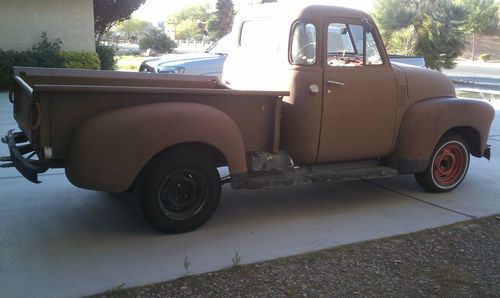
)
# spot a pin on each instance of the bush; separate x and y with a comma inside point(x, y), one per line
point(106, 55)
point(49, 54)
point(46, 53)
point(485, 57)
point(158, 41)
point(81, 60)
point(7, 59)
point(14, 58)
point(42, 54)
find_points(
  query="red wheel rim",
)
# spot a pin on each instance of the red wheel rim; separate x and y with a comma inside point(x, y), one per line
point(449, 165)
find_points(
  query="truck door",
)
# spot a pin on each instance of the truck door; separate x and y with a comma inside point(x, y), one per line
point(359, 98)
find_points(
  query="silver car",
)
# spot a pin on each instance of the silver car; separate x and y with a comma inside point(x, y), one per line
point(208, 63)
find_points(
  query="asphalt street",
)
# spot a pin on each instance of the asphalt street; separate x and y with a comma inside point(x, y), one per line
point(477, 68)
point(57, 240)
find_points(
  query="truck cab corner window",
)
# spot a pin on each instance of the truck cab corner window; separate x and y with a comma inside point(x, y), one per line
point(303, 47)
point(372, 54)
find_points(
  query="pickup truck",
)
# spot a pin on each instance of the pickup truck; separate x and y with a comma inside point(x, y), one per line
point(328, 107)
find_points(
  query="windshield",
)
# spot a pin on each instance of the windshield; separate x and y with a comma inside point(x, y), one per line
point(222, 46)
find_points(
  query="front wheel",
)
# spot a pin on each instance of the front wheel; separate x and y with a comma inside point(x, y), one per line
point(179, 191)
point(448, 165)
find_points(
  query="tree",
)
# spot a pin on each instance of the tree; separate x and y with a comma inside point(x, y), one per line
point(188, 29)
point(187, 22)
point(481, 16)
point(157, 40)
point(225, 17)
point(430, 28)
point(402, 42)
point(133, 28)
point(108, 13)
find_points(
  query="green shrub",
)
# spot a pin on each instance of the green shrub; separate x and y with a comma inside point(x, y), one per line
point(13, 58)
point(42, 54)
point(485, 57)
point(46, 53)
point(106, 55)
point(158, 41)
point(7, 59)
point(80, 60)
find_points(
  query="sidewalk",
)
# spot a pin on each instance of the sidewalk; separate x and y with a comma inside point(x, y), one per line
point(479, 63)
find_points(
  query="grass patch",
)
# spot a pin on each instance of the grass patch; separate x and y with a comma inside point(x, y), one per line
point(128, 62)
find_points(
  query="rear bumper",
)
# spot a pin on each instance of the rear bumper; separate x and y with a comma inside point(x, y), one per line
point(29, 168)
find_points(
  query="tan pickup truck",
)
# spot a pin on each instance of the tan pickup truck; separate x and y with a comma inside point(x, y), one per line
point(345, 113)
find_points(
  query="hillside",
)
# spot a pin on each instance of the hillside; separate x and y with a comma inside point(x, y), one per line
point(485, 44)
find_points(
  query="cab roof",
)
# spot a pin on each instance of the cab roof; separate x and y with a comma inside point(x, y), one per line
point(293, 11)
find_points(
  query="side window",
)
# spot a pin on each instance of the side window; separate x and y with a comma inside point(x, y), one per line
point(347, 44)
point(303, 47)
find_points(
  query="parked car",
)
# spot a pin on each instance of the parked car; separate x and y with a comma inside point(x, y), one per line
point(208, 63)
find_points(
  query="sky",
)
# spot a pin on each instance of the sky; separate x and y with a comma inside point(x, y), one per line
point(157, 10)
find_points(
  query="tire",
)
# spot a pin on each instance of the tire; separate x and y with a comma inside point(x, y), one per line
point(178, 191)
point(448, 165)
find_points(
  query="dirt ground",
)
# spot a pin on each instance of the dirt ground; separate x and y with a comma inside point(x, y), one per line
point(460, 260)
point(485, 44)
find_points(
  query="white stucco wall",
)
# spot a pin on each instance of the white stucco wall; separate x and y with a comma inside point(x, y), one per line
point(22, 23)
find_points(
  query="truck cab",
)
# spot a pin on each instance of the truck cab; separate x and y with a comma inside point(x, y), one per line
point(347, 100)
point(343, 87)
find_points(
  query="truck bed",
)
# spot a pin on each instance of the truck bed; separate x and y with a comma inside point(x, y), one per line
point(50, 103)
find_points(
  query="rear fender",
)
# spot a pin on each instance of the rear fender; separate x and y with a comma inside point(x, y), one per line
point(427, 121)
point(108, 151)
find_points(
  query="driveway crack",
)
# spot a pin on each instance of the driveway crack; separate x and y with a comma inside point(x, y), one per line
point(420, 200)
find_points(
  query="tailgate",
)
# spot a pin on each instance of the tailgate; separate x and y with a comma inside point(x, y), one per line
point(23, 146)
point(26, 109)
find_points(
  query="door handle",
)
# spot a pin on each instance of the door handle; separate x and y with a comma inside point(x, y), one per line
point(330, 82)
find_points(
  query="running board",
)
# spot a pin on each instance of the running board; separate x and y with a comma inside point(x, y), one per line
point(320, 174)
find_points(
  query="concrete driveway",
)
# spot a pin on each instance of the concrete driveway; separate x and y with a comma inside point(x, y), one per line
point(57, 240)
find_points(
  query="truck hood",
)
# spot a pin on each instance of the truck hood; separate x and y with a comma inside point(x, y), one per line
point(425, 83)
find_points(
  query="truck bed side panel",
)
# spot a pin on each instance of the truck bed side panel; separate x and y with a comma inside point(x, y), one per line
point(254, 115)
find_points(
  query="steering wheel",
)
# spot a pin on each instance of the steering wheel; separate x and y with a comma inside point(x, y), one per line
point(300, 54)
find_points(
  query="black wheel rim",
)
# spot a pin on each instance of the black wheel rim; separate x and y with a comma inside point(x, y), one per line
point(183, 194)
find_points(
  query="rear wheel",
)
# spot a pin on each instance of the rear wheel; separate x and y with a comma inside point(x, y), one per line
point(179, 191)
point(448, 165)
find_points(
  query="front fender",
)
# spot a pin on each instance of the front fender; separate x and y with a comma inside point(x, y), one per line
point(425, 122)
point(107, 151)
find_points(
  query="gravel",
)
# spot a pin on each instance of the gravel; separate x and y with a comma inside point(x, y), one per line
point(460, 260)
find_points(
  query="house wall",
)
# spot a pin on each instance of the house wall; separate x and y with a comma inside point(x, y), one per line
point(22, 23)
